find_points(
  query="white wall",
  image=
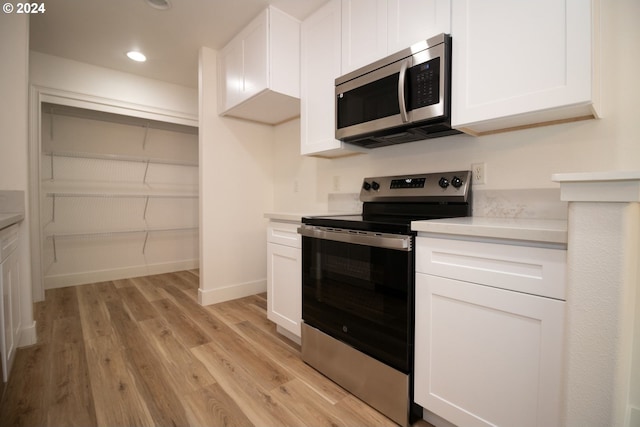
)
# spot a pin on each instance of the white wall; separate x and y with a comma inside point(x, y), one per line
point(137, 93)
point(236, 189)
point(14, 43)
point(295, 177)
point(14, 72)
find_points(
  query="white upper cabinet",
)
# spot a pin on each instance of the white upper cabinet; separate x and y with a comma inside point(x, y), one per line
point(522, 63)
point(364, 32)
point(230, 76)
point(319, 67)
point(255, 56)
point(410, 21)
point(259, 70)
point(372, 30)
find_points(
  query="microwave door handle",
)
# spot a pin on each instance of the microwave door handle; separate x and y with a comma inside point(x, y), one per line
point(401, 99)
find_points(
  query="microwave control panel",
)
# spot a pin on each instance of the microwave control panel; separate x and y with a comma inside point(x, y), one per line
point(425, 84)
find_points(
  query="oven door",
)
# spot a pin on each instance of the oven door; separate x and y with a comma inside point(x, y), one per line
point(361, 294)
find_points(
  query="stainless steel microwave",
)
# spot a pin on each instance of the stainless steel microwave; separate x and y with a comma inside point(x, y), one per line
point(402, 98)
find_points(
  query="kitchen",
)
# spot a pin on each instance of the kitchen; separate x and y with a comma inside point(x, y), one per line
point(519, 165)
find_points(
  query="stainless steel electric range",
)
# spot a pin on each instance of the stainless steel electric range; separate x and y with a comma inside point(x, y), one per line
point(358, 286)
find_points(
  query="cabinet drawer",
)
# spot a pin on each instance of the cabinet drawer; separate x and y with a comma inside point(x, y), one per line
point(284, 233)
point(8, 240)
point(532, 270)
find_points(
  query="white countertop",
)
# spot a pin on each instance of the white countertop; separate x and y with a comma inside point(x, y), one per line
point(596, 176)
point(533, 230)
point(7, 219)
point(614, 186)
point(297, 216)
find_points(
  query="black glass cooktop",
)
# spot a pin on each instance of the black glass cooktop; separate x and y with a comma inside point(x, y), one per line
point(391, 217)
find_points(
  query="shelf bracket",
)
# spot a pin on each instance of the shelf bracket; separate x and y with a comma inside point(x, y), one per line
point(146, 132)
point(146, 170)
point(144, 245)
point(51, 124)
point(52, 166)
point(53, 208)
point(146, 204)
point(55, 253)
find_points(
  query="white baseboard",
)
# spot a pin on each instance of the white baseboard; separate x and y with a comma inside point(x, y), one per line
point(61, 281)
point(293, 337)
point(28, 336)
point(227, 293)
point(434, 419)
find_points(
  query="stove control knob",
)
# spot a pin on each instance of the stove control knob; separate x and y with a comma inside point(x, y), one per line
point(443, 183)
point(456, 182)
point(366, 186)
point(375, 186)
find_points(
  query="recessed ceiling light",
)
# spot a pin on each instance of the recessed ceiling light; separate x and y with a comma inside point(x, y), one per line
point(159, 4)
point(136, 56)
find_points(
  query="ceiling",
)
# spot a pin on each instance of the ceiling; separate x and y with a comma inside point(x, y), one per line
point(100, 32)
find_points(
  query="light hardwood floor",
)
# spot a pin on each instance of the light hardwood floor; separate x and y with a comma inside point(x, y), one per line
point(142, 351)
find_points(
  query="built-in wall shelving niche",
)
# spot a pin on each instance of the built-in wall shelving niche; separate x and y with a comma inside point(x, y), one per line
point(118, 195)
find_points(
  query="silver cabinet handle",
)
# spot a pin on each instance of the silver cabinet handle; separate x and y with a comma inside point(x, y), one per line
point(366, 238)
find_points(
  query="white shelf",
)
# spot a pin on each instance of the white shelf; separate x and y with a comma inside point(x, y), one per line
point(111, 233)
point(118, 157)
point(121, 189)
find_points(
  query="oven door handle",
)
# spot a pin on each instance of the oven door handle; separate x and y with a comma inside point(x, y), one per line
point(366, 238)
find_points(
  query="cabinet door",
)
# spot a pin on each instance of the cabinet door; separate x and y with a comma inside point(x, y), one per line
point(410, 21)
point(364, 33)
point(231, 79)
point(284, 54)
point(506, 63)
point(486, 356)
point(256, 67)
point(9, 311)
point(319, 67)
point(16, 299)
point(284, 286)
point(243, 65)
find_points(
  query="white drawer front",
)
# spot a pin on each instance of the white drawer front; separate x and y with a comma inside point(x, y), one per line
point(284, 233)
point(8, 240)
point(533, 270)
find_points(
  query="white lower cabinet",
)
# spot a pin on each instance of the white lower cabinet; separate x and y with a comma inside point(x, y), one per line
point(284, 277)
point(10, 315)
point(485, 354)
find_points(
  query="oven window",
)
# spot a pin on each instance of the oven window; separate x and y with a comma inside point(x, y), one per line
point(369, 102)
point(362, 296)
